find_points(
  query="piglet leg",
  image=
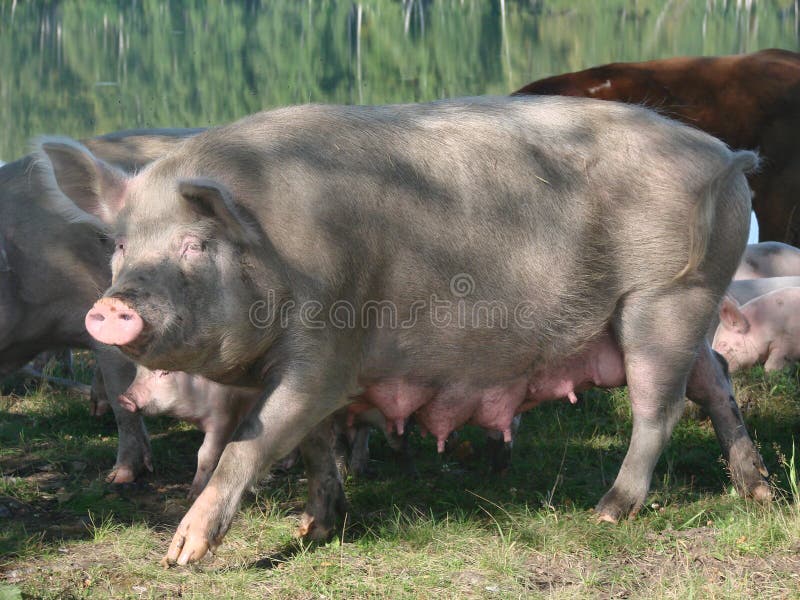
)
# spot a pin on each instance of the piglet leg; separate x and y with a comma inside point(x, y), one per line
point(207, 459)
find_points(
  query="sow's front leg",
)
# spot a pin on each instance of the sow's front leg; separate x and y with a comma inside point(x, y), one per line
point(133, 452)
point(710, 387)
point(285, 417)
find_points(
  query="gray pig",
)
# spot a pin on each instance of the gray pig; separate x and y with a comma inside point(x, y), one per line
point(462, 261)
point(768, 259)
point(52, 267)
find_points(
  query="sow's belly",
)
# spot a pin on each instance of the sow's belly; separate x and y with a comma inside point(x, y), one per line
point(442, 409)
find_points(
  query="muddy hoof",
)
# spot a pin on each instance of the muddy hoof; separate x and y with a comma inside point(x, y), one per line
point(762, 493)
point(121, 474)
point(312, 530)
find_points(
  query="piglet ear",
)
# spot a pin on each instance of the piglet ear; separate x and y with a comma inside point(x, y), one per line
point(94, 186)
point(213, 199)
point(731, 317)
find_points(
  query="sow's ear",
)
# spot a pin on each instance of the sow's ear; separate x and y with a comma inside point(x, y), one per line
point(94, 186)
point(731, 317)
point(212, 198)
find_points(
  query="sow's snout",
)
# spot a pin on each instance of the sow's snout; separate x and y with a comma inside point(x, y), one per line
point(113, 322)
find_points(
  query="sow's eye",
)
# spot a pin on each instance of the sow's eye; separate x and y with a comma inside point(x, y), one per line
point(119, 255)
point(192, 246)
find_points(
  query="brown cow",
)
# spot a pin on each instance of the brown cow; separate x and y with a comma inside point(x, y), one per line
point(749, 101)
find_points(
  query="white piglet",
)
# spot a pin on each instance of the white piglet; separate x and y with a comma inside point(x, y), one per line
point(765, 330)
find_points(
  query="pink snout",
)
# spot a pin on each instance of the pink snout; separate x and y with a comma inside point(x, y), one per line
point(111, 321)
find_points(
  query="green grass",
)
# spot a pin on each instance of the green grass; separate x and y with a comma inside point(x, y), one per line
point(456, 531)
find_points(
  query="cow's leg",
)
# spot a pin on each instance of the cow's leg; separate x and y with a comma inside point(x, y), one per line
point(710, 387)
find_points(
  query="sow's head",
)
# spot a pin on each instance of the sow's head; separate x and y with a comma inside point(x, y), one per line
point(183, 269)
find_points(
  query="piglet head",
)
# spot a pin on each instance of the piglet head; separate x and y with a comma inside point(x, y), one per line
point(149, 392)
point(733, 338)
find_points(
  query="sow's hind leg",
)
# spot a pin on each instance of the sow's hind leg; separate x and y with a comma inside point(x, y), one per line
point(658, 333)
point(710, 387)
point(326, 500)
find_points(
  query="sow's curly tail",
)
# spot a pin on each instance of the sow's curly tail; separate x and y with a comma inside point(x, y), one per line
point(702, 219)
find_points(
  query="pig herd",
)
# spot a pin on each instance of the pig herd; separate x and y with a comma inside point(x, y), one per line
point(292, 279)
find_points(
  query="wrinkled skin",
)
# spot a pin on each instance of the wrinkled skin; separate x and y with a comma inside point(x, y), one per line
point(233, 252)
point(769, 259)
point(764, 331)
point(749, 101)
point(52, 267)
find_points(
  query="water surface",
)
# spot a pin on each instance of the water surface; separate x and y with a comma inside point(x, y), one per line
point(84, 68)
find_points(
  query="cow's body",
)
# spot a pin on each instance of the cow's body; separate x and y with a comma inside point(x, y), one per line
point(749, 101)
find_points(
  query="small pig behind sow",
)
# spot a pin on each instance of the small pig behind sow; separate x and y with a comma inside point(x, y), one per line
point(215, 409)
point(765, 330)
point(769, 259)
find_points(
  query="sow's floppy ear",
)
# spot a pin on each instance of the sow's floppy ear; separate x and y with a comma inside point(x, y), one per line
point(212, 198)
point(731, 317)
point(94, 186)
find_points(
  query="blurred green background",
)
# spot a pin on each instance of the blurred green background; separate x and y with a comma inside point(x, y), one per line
point(82, 68)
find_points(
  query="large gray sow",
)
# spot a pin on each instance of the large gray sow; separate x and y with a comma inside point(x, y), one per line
point(462, 261)
point(53, 263)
